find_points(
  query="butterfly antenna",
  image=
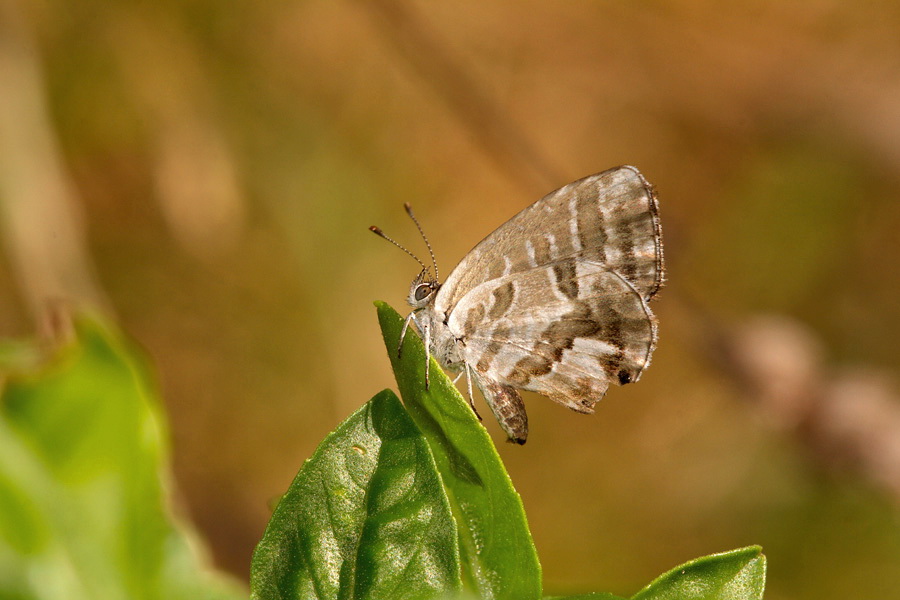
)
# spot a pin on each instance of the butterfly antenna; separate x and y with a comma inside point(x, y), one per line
point(427, 243)
point(377, 231)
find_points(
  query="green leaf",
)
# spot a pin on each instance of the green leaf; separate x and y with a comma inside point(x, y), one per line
point(366, 517)
point(83, 459)
point(497, 551)
point(735, 575)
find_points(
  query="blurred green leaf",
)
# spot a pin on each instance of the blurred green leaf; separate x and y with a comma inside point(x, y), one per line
point(18, 355)
point(366, 517)
point(499, 557)
point(735, 575)
point(82, 457)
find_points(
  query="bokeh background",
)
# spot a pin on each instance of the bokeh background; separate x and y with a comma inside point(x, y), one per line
point(206, 171)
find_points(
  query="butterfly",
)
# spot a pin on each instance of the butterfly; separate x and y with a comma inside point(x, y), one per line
point(554, 301)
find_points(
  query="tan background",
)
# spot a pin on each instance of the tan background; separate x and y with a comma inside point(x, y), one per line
point(207, 171)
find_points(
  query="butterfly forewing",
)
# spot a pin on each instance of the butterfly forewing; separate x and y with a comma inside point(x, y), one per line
point(610, 218)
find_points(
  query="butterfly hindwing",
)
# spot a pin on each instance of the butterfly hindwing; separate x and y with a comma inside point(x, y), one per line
point(564, 329)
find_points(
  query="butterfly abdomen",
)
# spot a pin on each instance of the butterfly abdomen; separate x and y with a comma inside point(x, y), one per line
point(507, 406)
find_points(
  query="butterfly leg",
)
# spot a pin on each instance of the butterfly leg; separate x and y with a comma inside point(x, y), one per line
point(409, 318)
point(427, 356)
point(469, 385)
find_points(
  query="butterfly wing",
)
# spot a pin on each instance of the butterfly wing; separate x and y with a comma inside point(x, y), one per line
point(564, 329)
point(609, 219)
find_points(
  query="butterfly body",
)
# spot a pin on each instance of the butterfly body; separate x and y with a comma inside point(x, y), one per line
point(554, 300)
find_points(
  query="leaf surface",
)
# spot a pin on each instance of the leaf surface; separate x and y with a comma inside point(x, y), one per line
point(365, 518)
point(498, 555)
point(736, 575)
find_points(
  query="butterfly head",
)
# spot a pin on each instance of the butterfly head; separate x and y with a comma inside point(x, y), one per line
point(423, 287)
point(422, 290)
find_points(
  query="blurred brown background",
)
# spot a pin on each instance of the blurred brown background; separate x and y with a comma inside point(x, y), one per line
point(207, 171)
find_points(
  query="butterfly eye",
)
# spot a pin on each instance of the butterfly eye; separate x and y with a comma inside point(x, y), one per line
point(423, 291)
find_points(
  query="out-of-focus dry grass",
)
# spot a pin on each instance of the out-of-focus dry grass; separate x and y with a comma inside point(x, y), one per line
point(228, 157)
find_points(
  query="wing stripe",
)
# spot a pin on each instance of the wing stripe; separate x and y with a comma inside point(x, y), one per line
point(473, 318)
point(503, 299)
point(524, 345)
point(491, 350)
point(559, 336)
point(579, 395)
point(566, 277)
point(526, 348)
point(624, 237)
point(591, 229)
point(542, 253)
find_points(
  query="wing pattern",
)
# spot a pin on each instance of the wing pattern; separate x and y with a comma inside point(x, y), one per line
point(563, 329)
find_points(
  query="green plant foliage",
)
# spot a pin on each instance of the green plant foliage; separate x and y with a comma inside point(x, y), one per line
point(735, 575)
point(396, 503)
point(82, 460)
point(366, 517)
point(498, 554)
